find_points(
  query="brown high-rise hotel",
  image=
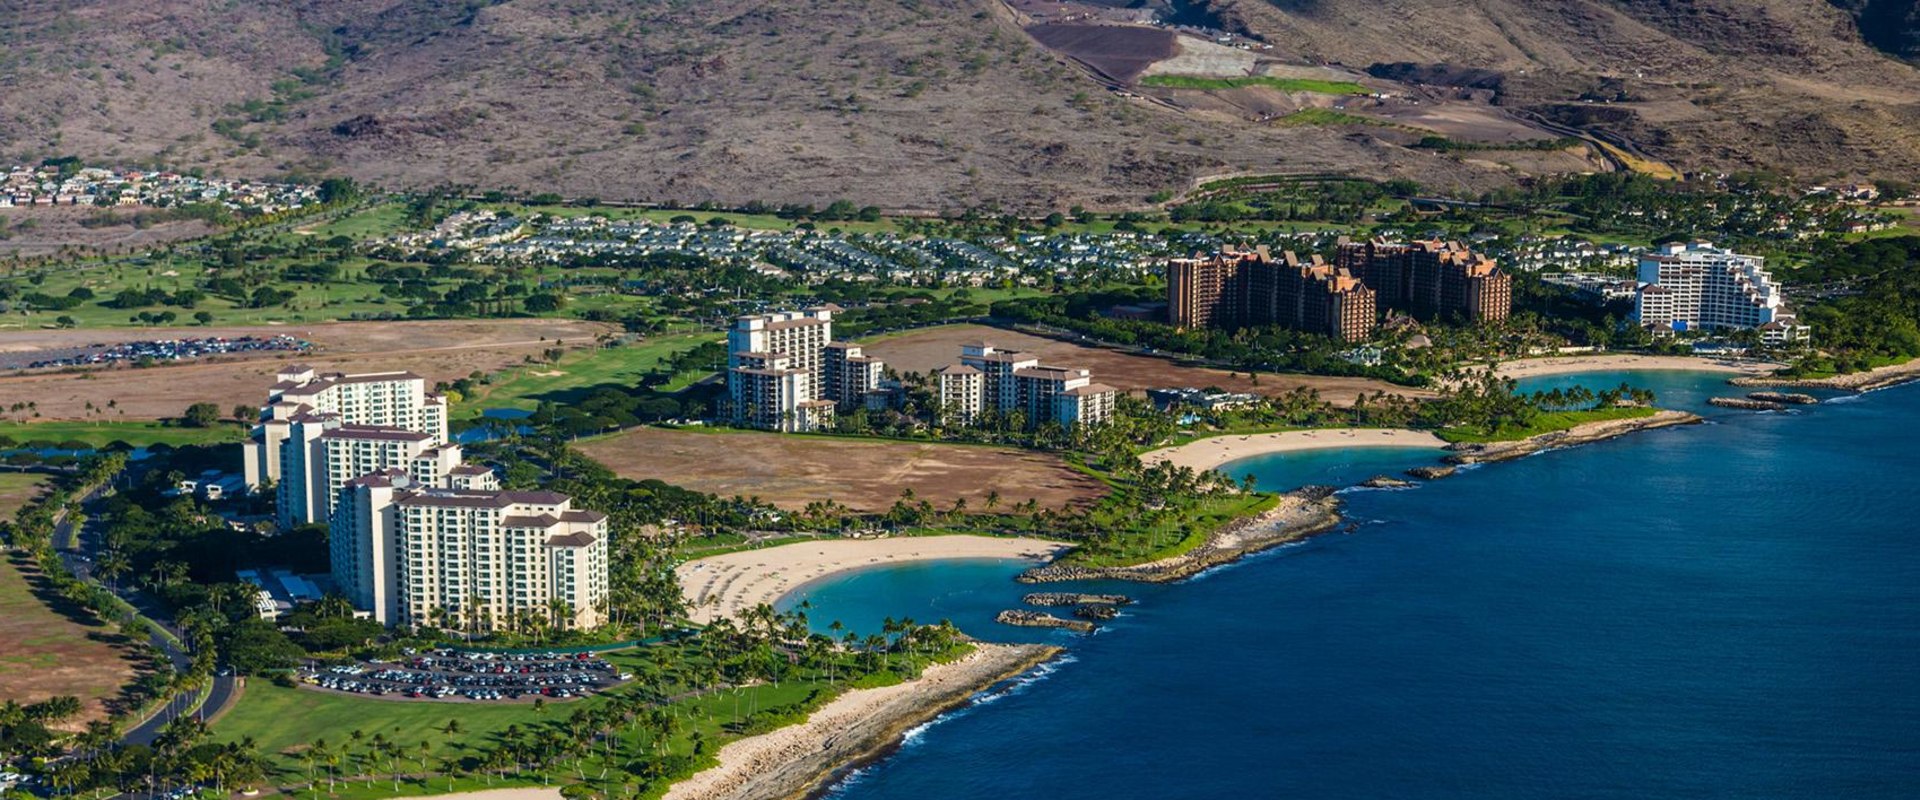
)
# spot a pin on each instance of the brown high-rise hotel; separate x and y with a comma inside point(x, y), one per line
point(1235, 288)
point(1431, 279)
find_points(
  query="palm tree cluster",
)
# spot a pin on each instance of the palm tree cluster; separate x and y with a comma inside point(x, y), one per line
point(182, 755)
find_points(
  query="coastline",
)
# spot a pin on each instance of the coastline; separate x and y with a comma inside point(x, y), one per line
point(1877, 378)
point(1301, 514)
point(1573, 365)
point(725, 585)
point(1216, 451)
point(858, 725)
point(1585, 433)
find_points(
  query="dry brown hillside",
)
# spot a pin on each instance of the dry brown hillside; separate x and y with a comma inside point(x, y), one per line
point(1732, 84)
point(901, 103)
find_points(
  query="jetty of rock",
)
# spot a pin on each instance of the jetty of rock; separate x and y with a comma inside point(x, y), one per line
point(1789, 398)
point(1387, 482)
point(1745, 403)
point(1074, 599)
point(1036, 619)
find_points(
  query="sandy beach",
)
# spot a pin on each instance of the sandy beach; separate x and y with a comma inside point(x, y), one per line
point(725, 585)
point(1217, 450)
point(1568, 365)
point(860, 723)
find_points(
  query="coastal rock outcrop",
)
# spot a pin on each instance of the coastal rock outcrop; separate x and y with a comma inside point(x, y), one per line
point(1576, 435)
point(1097, 612)
point(1387, 482)
point(1789, 398)
point(1433, 472)
point(1036, 619)
point(1074, 599)
point(1745, 403)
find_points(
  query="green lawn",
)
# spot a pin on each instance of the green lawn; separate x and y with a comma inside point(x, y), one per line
point(285, 722)
point(138, 434)
point(1172, 534)
point(580, 371)
point(1544, 423)
point(1265, 81)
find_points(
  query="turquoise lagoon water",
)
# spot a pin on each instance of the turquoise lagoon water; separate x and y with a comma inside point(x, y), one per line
point(1730, 610)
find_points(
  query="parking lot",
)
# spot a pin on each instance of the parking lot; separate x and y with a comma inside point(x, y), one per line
point(473, 677)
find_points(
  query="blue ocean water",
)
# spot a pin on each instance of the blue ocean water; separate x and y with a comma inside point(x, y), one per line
point(1730, 610)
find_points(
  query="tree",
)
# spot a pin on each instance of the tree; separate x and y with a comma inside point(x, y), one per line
point(246, 413)
point(201, 415)
point(203, 317)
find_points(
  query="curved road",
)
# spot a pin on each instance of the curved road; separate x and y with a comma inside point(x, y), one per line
point(70, 544)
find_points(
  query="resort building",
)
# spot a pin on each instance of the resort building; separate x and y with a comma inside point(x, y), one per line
point(1430, 279)
point(785, 372)
point(387, 399)
point(848, 375)
point(417, 536)
point(962, 394)
point(1698, 286)
point(987, 379)
point(1236, 288)
point(474, 557)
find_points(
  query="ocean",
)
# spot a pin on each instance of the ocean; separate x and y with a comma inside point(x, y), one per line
point(1727, 610)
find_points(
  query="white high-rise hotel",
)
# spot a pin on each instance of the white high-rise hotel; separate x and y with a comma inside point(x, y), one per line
point(785, 372)
point(1698, 286)
point(416, 536)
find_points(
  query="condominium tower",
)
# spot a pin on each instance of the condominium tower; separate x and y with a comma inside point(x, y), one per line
point(416, 536)
point(465, 554)
point(785, 372)
point(1700, 286)
point(367, 422)
point(1236, 288)
point(989, 379)
point(1430, 279)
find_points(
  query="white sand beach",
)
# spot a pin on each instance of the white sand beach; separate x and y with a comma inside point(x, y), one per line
point(1217, 450)
point(727, 584)
point(1569, 365)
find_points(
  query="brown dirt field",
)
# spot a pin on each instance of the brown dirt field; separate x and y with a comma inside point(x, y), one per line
point(924, 350)
point(17, 488)
point(1120, 52)
point(791, 471)
point(437, 350)
point(47, 653)
point(50, 228)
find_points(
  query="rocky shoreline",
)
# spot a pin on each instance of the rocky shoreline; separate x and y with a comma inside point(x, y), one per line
point(1039, 619)
point(1074, 599)
point(1577, 435)
point(1300, 514)
point(1853, 381)
point(863, 724)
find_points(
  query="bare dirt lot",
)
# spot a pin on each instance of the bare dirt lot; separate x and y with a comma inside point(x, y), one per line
point(48, 652)
point(437, 350)
point(921, 351)
point(40, 231)
point(791, 471)
point(1120, 52)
